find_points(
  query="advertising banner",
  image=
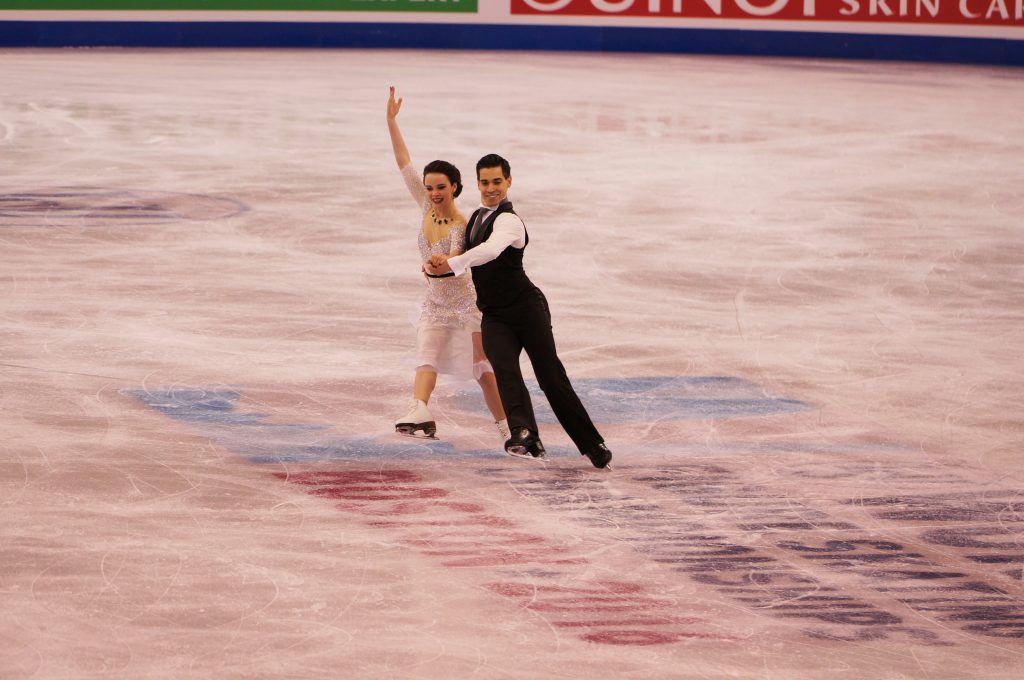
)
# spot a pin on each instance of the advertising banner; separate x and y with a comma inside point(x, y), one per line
point(250, 5)
point(800, 15)
point(973, 12)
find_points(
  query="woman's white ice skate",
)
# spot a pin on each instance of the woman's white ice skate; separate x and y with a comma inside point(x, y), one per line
point(417, 420)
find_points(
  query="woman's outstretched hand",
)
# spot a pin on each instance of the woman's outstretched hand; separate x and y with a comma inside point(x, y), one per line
point(393, 106)
point(397, 142)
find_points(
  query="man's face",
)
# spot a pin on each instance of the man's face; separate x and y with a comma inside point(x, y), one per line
point(493, 186)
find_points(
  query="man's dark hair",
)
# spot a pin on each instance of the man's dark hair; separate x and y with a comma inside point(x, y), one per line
point(493, 160)
point(449, 171)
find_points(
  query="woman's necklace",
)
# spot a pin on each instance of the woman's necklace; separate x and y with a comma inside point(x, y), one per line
point(439, 220)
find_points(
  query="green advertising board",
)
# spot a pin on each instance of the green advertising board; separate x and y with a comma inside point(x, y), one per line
point(250, 5)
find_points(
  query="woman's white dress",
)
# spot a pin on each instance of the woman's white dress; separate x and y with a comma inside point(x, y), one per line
point(448, 314)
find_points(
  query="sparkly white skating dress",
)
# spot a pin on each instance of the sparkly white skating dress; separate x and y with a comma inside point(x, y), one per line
point(449, 315)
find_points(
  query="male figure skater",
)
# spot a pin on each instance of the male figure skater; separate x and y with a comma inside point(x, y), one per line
point(516, 317)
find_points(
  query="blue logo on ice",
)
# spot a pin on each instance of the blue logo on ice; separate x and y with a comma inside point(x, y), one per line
point(631, 400)
point(214, 414)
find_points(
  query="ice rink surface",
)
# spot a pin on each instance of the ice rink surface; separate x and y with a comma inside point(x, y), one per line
point(790, 293)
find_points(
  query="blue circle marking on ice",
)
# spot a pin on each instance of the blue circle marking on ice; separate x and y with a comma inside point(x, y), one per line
point(214, 414)
point(97, 206)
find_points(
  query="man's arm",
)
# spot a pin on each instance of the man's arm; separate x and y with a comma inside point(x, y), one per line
point(508, 231)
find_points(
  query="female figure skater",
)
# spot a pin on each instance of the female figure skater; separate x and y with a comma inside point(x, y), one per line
point(450, 316)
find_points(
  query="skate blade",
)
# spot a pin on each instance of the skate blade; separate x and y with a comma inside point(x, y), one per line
point(522, 452)
point(415, 434)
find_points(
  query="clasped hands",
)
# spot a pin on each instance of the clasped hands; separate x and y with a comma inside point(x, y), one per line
point(437, 264)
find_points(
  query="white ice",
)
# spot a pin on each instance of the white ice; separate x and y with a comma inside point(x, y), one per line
point(790, 292)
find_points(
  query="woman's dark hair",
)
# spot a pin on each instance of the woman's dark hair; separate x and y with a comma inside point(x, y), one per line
point(449, 171)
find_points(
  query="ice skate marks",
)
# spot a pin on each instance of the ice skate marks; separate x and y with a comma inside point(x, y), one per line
point(809, 553)
point(851, 569)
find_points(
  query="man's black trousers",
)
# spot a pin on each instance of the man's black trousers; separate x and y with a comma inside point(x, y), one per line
point(526, 325)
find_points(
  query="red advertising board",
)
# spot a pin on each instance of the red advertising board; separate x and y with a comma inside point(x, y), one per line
point(976, 12)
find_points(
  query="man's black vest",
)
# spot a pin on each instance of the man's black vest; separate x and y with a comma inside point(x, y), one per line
point(500, 282)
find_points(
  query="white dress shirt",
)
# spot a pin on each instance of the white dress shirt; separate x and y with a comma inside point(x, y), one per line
point(508, 230)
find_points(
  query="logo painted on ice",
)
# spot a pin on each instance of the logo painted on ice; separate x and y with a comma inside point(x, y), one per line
point(213, 413)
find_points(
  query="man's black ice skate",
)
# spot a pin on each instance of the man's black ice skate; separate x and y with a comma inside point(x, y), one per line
point(599, 455)
point(524, 444)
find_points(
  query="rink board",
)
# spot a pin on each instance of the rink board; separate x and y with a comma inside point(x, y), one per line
point(970, 31)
